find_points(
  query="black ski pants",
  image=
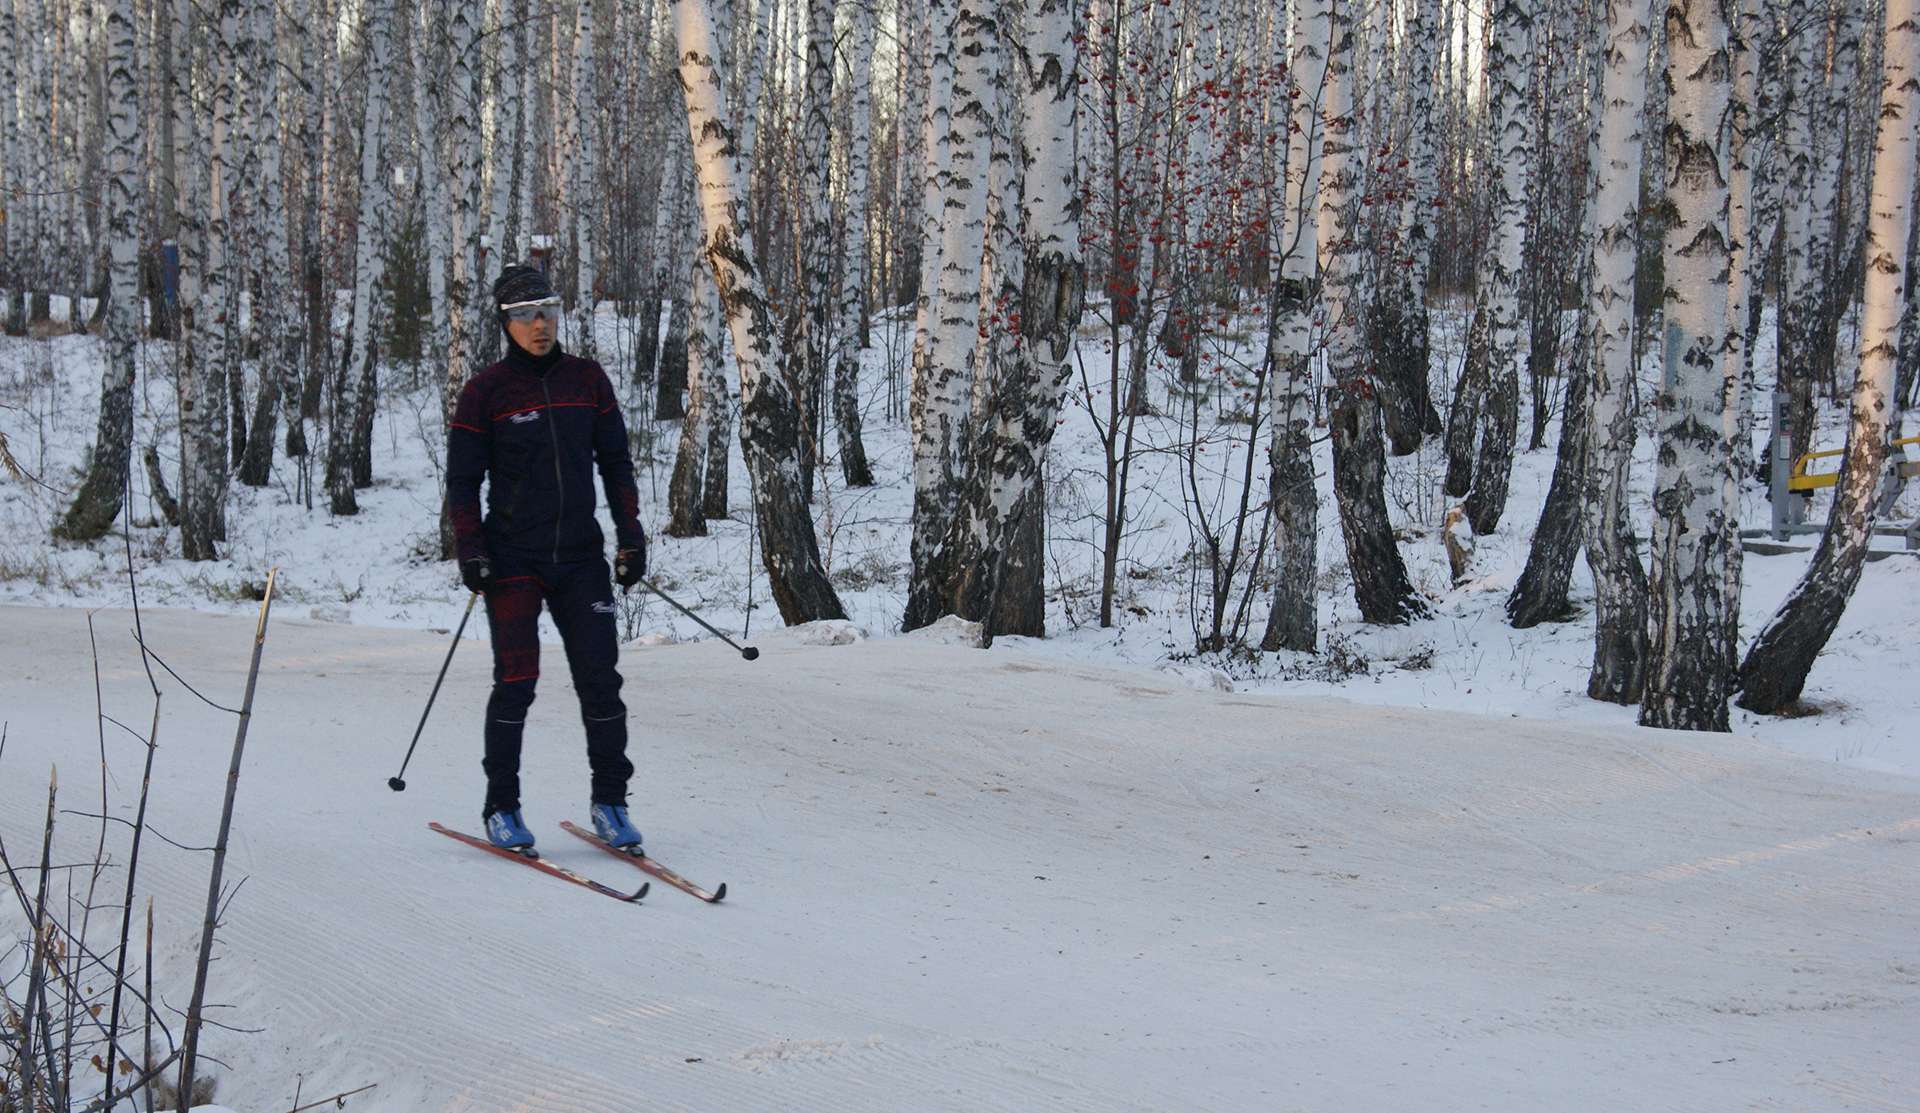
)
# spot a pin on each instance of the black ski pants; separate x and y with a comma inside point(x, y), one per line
point(579, 596)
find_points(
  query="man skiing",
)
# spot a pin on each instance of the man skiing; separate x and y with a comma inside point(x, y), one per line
point(534, 426)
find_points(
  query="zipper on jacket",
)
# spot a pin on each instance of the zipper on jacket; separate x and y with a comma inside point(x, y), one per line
point(559, 480)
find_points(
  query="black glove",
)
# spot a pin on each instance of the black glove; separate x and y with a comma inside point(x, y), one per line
point(477, 574)
point(629, 564)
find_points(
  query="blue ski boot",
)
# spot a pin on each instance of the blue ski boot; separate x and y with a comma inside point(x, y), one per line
point(506, 831)
point(611, 824)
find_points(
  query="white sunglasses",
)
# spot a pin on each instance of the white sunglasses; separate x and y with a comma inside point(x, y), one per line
point(525, 311)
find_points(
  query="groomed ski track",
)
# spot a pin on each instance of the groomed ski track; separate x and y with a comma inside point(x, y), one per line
point(967, 881)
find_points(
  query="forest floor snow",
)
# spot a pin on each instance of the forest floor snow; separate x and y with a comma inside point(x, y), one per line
point(990, 881)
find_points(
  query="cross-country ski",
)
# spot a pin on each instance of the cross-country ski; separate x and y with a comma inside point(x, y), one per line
point(651, 866)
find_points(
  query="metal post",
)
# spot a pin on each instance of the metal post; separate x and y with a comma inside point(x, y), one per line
point(1777, 481)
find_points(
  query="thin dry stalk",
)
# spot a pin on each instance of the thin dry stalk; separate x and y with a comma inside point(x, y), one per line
point(190, 1043)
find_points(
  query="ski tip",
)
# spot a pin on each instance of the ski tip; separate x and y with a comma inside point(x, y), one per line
point(719, 894)
point(643, 890)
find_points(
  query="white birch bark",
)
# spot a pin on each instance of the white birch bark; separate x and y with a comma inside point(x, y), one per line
point(203, 484)
point(1737, 371)
point(855, 74)
point(770, 432)
point(1615, 152)
point(1381, 587)
point(1689, 673)
point(461, 126)
point(1508, 70)
point(1775, 671)
point(368, 261)
point(943, 375)
point(277, 339)
point(14, 178)
point(816, 235)
point(507, 169)
point(1801, 275)
point(1025, 402)
point(1403, 334)
point(429, 109)
point(99, 500)
point(936, 130)
point(1293, 620)
point(686, 510)
point(586, 191)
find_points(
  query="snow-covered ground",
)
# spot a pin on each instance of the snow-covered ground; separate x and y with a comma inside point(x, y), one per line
point(993, 881)
point(1092, 872)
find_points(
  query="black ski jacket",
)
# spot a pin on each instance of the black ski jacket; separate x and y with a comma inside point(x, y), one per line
point(534, 429)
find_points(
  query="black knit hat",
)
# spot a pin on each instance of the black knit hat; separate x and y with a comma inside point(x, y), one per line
point(517, 284)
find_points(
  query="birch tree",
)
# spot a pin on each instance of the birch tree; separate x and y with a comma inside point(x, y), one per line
point(1498, 298)
point(1293, 620)
point(585, 185)
point(1797, 320)
point(1776, 668)
point(816, 259)
point(204, 479)
point(367, 260)
point(1689, 673)
point(686, 506)
point(856, 70)
point(278, 341)
point(1024, 403)
point(1380, 583)
point(943, 369)
point(99, 500)
point(1400, 323)
point(1619, 581)
point(769, 420)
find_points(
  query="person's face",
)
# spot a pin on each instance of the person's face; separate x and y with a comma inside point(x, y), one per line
point(532, 324)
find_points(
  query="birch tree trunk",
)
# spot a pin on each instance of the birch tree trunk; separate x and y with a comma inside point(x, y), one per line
point(1743, 44)
point(430, 95)
point(509, 163)
point(458, 134)
point(935, 129)
point(1540, 595)
point(1401, 322)
point(857, 74)
point(99, 500)
point(203, 482)
point(278, 341)
point(686, 513)
point(1508, 69)
point(367, 260)
point(586, 190)
point(1797, 320)
point(1689, 674)
point(1026, 400)
point(1293, 621)
point(769, 420)
point(1776, 668)
point(943, 376)
point(816, 257)
point(1380, 583)
point(14, 178)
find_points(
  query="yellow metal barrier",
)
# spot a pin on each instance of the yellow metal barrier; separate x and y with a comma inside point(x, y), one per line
point(1801, 480)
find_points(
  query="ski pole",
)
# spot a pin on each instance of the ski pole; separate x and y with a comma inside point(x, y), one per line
point(747, 652)
point(398, 783)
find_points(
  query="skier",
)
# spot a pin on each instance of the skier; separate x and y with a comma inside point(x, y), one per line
point(534, 426)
